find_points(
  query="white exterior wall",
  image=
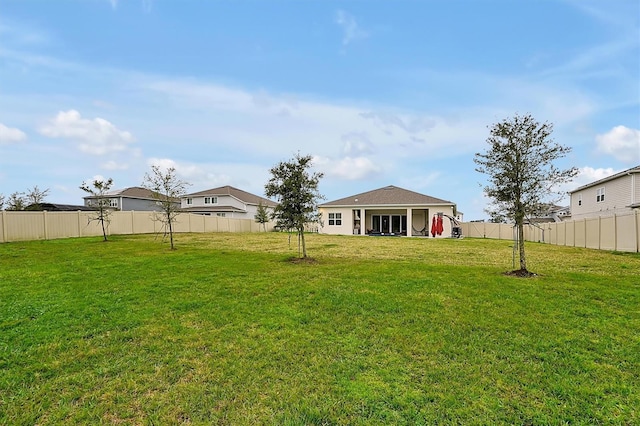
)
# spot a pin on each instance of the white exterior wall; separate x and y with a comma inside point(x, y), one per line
point(346, 228)
point(412, 213)
point(223, 200)
point(618, 194)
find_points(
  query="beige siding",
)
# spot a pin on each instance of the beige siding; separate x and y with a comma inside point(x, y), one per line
point(619, 194)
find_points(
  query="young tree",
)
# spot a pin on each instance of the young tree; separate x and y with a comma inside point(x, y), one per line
point(35, 197)
point(98, 190)
point(521, 173)
point(297, 193)
point(262, 215)
point(1, 201)
point(16, 201)
point(167, 189)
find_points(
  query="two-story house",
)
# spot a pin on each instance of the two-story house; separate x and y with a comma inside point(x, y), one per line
point(616, 194)
point(133, 198)
point(225, 201)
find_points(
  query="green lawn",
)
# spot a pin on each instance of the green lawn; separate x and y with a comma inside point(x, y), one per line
point(227, 330)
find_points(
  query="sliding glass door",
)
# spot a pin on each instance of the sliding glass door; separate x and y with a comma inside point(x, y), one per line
point(389, 223)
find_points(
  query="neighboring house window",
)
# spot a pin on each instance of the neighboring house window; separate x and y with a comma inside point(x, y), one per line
point(113, 202)
point(211, 200)
point(579, 199)
point(335, 219)
point(189, 201)
point(221, 214)
point(600, 195)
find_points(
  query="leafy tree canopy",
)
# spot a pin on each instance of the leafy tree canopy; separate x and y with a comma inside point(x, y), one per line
point(296, 190)
point(522, 176)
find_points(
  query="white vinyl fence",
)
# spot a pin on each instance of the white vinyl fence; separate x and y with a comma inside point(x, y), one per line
point(27, 225)
point(617, 232)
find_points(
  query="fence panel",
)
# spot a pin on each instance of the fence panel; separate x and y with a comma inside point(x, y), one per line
point(24, 226)
point(626, 231)
point(592, 233)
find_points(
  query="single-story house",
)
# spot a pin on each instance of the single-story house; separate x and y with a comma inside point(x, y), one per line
point(615, 194)
point(387, 211)
point(225, 201)
point(133, 198)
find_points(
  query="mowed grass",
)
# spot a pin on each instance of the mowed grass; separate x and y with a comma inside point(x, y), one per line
point(227, 330)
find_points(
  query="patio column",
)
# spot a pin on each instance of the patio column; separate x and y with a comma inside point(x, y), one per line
point(409, 222)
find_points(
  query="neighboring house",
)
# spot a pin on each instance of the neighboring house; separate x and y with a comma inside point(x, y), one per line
point(616, 194)
point(51, 207)
point(551, 213)
point(225, 201)
point(134, 198)
point(385, 211)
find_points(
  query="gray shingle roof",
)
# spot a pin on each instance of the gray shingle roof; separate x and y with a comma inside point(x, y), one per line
point(244, 196)
point(389, 195)
point(131, 192)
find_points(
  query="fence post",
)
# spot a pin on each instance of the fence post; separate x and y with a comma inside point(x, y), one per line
point(615, 232)
point(44, 224)
point(79, 225)
point(637, 226)
point(4, 226)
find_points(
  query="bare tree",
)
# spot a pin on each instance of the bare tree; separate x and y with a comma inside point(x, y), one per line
point(100, 202)
point(297, 193)
point(1, 201)
point(34, 197)
point(16, 201)
point(167, 189)
point(521, 173)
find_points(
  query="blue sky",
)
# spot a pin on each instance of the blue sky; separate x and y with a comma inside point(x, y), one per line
point(379, 92)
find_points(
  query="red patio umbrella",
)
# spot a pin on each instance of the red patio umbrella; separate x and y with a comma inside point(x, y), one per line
point(440, 226)
point(434, 227)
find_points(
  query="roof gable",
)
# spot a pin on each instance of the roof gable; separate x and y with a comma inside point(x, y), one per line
point(244, 196)
point(388, 195)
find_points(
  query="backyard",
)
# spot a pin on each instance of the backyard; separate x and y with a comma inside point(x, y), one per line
point(228, 330)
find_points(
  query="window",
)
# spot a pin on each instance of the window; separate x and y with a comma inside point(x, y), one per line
point(189, 201)
point(335, 219)
point(221, 214)
point(211, 200)
point(113, 202)
point(579, 199)
point(600, 195)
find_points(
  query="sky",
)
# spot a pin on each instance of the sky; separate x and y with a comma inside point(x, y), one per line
point(379, 92)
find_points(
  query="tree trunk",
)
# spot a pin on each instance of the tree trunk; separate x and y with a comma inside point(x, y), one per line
point(104, 231)
point(523, 260)
point(304, 246)
point(170, 230)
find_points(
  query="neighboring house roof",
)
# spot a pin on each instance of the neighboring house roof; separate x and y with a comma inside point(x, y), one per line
point(51, 207)
point(131, 192)
point(632, 170)
point(244, 196)
point(389, 195)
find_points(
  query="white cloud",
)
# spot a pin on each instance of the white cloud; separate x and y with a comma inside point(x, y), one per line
point(357, 143)
point(11, 134)
point(348, 168)
point(114, 165)
point(622, 143)
point(97, 136)
point(350, 29)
